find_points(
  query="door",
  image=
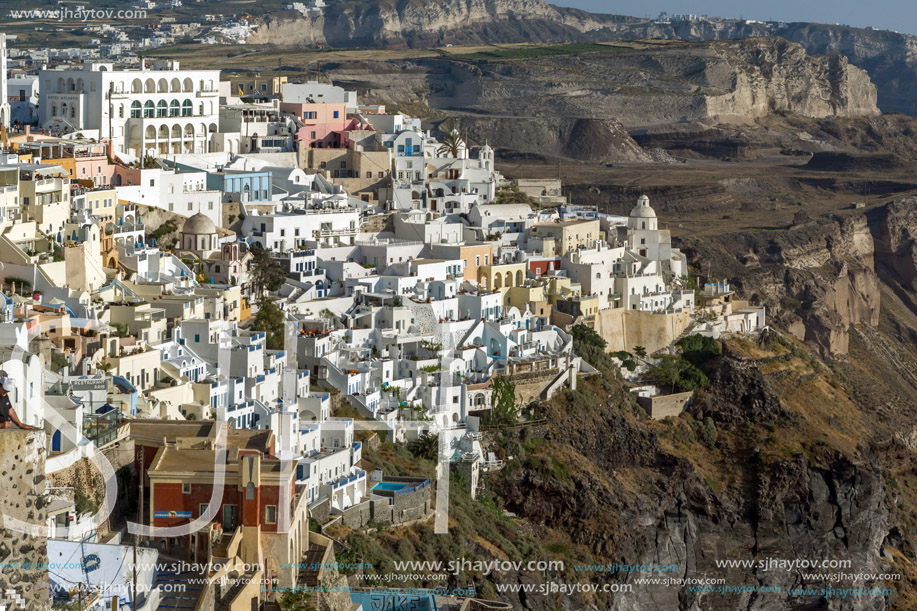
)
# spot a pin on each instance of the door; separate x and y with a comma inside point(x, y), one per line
point(230, 518)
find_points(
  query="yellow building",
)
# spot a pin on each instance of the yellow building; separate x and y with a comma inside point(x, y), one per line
point(258, 86)
point(569, 235)
point(502, 276)
point(560, 287)
point(522, 296)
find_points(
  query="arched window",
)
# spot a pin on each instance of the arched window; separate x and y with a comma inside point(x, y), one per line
point(149, 86)
point(176, 86)
point(186, 108)
point(187, 85)
point(161, 108)
point(163, 86)
point(148, 109)
point(135, 109)
point(174, 108)
point(136, 86)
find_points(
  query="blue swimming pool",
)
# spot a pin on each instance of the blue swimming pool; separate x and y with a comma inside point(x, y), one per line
point(390, 486)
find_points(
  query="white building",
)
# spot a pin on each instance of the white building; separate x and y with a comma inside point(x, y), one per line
point(164, 111)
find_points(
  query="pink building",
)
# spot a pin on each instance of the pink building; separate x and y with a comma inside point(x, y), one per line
point(323, 122)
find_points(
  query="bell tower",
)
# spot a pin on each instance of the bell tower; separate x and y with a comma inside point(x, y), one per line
point(4, 97)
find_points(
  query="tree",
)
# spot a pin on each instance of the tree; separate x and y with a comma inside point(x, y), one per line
point(452, 144)
point(120, 329)
point(677, 374)
point(699, 349)
point(147, 162)
point(640, 352)
point(504, 402)
point(590, 345)
point(269, 319)
point(266, 273)
point(425, 446)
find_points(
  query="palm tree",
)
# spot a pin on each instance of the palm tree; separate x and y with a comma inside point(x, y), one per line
point(452, 144)
point(425, 446)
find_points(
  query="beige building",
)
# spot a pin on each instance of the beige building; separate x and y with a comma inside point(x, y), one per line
point(143, 321)
point(139, 364)
point(472, 255)
point(44, 191)
point(257, 86)
point(569, 235)
point(362, 173)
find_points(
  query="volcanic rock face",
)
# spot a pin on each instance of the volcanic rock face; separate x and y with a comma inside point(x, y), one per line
point(817, 278)
point(889, 57)
point(632, 502)
point(641, 85)
point(415, 23)
point(776, 76)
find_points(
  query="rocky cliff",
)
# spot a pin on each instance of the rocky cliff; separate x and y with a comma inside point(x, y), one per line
point(551, 98)
point(771, 75)
point(889, 57)
point(764, 487)
point(413, 23)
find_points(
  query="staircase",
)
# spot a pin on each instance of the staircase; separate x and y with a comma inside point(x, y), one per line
point(312, 560)
point(221, 547)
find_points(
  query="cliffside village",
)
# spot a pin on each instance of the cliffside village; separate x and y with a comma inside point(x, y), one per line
point(150, 214)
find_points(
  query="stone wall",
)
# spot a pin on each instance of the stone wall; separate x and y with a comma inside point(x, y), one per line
point(320, 510)
point(663, 406)
point(626, 329)
point(385, 508)
point(357, 516)
point(83, 476)
point(22, 490)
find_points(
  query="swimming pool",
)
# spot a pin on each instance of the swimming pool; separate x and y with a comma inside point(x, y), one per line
point(390, 486)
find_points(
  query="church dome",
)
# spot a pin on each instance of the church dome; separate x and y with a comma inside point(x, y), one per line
point(643, 209)
point(199, 224)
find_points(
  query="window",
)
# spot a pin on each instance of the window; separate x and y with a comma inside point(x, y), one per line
point(186, 488)
point(337, 114)
point(270, 514)
point(204, 508)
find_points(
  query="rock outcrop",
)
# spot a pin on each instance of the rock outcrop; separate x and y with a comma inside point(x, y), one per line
point(817, 278)
point(639, 85)
point(600, 140)
point(890, 58)
point(413, 23)
point(772, 75)
point(631, 501)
